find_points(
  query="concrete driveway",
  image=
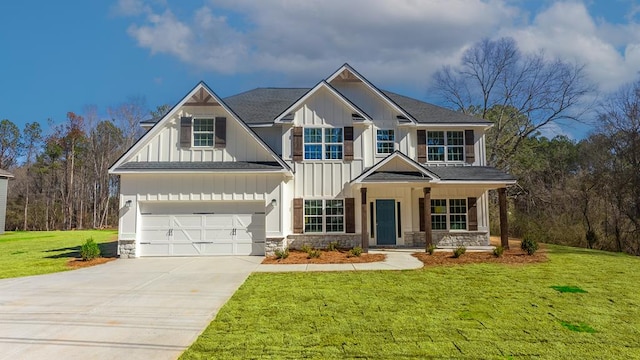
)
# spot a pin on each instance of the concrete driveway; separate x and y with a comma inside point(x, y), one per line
point(150, 308)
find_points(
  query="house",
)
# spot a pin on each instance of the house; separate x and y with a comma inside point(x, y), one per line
point(273, 168)
point(4, 181)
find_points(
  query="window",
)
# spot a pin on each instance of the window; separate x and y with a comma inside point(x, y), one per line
point(323, 216)
point(323, 143)
point(385, 141)
point(445, 145)
point(202, 132)
point(458, 214)
point(439, 214)
point(453, 217)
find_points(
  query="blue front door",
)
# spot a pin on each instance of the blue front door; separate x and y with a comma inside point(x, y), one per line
point(386, 222)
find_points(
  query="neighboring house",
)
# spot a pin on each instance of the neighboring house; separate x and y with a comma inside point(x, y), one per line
point(4, 181)
point(279, 167)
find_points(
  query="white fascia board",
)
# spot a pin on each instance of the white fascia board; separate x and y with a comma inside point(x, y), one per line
point(395, 154)
point(305, 97)
point(453, 125)
point(489, 184)
point(206, 172)
point(372, 87)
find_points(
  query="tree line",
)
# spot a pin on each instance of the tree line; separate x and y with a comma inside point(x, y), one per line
point(580, 193)
point(61, 176)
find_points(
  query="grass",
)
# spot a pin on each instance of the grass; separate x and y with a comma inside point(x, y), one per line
point(43, 252)
point(477, 311)
point(568, 289)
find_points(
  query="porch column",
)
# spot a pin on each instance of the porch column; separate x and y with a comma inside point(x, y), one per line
point(504, 225)
point(363, 220)
point(428, 238)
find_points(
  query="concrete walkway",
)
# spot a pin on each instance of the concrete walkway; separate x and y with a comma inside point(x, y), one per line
point(149, 308)
point(396, 259)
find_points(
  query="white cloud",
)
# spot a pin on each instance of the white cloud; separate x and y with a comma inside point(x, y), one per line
point(400, 42)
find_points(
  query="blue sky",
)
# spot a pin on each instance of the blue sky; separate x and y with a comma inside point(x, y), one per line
point(60, 56)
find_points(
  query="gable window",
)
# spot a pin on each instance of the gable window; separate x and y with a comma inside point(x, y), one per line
point(324, 143)
point(385, 141)
point(445, 146)
point(323, 216)
point(202, 132)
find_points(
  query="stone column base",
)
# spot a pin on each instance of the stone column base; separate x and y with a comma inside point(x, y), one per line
point(127, 249)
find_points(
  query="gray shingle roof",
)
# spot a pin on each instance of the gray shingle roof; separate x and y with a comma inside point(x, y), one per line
point(5, 174)
point(202, 166)
point(426, 113)
point(262, 105)
point(391, 176)
point(470, 173)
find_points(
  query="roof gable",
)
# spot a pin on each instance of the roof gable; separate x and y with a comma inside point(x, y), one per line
point(349, 74)
point(397, 163)
point(200, 95)
point(283, 116)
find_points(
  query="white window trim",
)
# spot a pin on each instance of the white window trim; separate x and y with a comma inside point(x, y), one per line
point(322, 144)
point(376, 141)
point(324, 217)
point(448, 213)
point(193, 132)
point(446, 148)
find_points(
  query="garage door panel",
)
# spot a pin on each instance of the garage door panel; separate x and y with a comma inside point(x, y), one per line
point(202, 229)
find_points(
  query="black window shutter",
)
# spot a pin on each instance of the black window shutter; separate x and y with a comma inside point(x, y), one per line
point(185, 131)
point(348, 143)
point(220, 132)
point(350, 215)
point(422, 146)
point(469, 140)
point(297, 143)
point(298, 216)
point(472, 214)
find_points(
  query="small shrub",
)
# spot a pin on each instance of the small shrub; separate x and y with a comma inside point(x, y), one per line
point(306, 248)
point(89, 250)
point(459, 251)
point(282, 254)
point(431, 249)
point(498, 251)
point(356, 251)
point(333, 246)
point(529, 245)
point(313, 254)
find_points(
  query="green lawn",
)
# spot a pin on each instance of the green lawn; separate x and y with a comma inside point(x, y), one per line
point(477, 311)
point(43, 252)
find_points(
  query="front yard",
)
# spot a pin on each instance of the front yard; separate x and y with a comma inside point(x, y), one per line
point(43, 252)
point(478, 311)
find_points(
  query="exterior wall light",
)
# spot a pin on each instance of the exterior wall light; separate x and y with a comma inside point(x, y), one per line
point(127, 204)
point(274, 202)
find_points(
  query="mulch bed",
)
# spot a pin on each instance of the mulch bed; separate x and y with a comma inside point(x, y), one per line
point(512, 257)
point(77, 263)
point(326, 257)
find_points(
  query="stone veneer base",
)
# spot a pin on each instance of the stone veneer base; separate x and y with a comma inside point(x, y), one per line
point(127, 249)
point(446, 238)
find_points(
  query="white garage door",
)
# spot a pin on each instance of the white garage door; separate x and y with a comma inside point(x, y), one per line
point(201, 229)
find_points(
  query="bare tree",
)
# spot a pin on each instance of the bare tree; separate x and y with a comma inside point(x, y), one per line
point(10, 144)
point(519, 93)
point(32, 138)
point(127, 117)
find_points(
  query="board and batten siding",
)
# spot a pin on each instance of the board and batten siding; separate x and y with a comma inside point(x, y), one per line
point(165, 146)
point(3, 203)
point(199, 188)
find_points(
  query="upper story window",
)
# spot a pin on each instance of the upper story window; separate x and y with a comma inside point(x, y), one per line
point(203, 132)
point(323, 143)
point(385, 141)
point(445, 145)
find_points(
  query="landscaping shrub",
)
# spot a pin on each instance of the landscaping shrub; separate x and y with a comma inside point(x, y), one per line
point(281, 254)
point(498, 251)
point(529, 245)
point(459, 251)
point(89, 250)
point(312, 254)
point(306, 248)
point(356, 251)
point(333, 246)
point(431, 249)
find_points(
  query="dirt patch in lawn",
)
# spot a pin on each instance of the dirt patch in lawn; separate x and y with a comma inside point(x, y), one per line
point(79, 263)
point(513, 256)
point(326, 257)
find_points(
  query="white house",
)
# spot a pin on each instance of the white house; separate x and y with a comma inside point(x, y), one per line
point(281, 167)
point(4, 180)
